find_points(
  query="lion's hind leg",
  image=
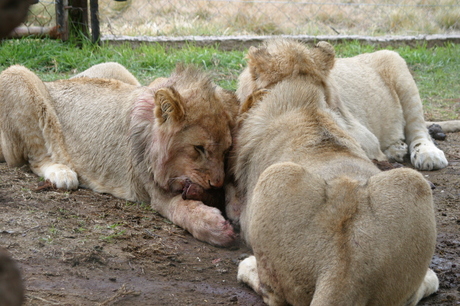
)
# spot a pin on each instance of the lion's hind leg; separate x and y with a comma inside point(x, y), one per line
point(406, 228)
point(424, 154)
point(30, 130)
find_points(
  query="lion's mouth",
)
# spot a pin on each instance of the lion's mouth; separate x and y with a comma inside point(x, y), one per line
point(189, 189)
point(192, 191)
point(214, 197)
point(177, 184)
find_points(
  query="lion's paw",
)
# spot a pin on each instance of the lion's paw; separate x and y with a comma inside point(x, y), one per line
point(247, 272)
point(429, 286)
point(426, 156)
point(397, 151)
point(61, 176)
point(211, 226)
point(431, 283)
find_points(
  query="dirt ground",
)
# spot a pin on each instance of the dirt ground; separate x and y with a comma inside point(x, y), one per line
point(84, 248)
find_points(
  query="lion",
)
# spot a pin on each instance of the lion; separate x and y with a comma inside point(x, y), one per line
point(11, 284)
point(376, 98)
point(157, 145)
point(325, 225)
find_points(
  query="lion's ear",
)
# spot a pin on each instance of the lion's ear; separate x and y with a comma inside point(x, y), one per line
point(259, 62)
point(230, 101)
point(168, 105)
point(252, 100)
point(324, 55)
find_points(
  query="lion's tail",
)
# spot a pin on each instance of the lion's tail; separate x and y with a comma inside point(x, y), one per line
point(450, 126)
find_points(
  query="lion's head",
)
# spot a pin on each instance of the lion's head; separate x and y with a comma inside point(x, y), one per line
point(279, 59)
point(181, 130)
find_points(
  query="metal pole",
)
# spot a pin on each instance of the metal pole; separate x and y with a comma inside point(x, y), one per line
point(95, 30)
point(61, 19)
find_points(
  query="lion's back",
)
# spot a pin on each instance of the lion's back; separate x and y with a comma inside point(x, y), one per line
point(366, 85)
point(352, 222)
point(94, 117)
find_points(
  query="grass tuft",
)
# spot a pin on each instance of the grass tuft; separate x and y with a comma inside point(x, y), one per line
point(449, 20)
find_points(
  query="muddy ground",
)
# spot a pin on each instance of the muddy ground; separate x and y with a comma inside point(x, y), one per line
point(84, 248)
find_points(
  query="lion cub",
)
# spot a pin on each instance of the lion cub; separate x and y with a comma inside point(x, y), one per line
point(325, 225)
point(149, 144)
point(377, 102)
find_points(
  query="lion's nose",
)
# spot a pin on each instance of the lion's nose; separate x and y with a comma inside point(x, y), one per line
point(217, 183)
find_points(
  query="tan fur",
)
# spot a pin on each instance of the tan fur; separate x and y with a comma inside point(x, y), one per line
point(137, 143)
point(325, 225)
point(110, 70)
point(157, 81)
point(373, 95)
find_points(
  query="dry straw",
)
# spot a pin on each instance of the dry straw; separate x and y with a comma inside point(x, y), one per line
point(236, 17)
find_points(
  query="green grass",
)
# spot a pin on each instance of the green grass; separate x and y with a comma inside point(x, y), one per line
point(52, 59)
point(435, 69)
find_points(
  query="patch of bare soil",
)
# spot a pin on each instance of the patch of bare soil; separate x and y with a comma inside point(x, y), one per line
point(84, 248)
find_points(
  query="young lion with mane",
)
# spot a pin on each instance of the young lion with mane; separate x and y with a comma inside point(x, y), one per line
point(163, 144)
point(326, 226)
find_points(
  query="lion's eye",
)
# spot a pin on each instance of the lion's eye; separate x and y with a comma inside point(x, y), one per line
point(199, 149)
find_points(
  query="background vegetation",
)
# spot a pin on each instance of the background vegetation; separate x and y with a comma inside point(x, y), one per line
point(435, 69)
point(230, 17)
point(253, 17)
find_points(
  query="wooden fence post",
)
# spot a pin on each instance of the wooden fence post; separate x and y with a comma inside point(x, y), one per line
point(62, 19)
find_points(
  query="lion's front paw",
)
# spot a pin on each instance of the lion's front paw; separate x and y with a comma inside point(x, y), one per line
point(61, 176)
point(207, 224)
point(225, 235)
point(431, 283)
point(247, 272)
point(397, 151)
point(426, 156)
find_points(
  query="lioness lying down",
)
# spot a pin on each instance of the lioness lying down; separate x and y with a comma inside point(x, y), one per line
point(325, 225)
point(375, 97)
point(154, 144)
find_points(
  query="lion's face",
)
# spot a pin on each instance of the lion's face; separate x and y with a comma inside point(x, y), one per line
point(197, 155)
point(191, 135)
